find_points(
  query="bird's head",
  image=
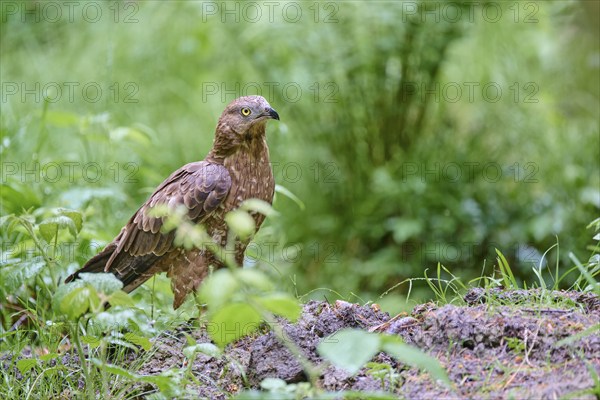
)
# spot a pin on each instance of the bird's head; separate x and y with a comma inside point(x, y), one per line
point(242, 124)
point(248, 115)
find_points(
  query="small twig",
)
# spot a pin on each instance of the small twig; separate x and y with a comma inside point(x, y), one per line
point(532, 310)
point(526, 358)
point(527, 352)
point(18, 323)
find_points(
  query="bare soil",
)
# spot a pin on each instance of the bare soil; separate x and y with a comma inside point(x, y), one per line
point(500, 345)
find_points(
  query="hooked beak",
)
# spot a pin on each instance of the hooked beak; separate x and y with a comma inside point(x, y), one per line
point(271, 114)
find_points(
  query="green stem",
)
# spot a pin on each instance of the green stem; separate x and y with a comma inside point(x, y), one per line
point(84, 363)
point(103, 374)
point(27, 225)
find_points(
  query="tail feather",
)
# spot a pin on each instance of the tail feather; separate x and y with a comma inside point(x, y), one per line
point(95, 264)
point(132, 271)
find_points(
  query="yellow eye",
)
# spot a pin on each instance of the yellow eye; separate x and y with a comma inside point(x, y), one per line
point(245, 111)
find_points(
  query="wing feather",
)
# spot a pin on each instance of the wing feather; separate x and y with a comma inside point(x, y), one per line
point(201, 187)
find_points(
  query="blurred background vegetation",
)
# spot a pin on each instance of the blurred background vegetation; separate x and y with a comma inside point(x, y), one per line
point(413, 132)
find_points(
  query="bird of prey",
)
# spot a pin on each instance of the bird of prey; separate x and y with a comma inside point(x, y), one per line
point(237, 168)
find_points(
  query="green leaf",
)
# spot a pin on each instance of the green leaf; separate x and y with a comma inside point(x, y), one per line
point(116, 319)
point(122, 343)
point(78, 197)
point(61, 118)
point(49, 356)
point(4, 220)
point(75, 216)
point(18, 196)
point(254, 279)
point(103, 282)
point(412, 356)
point(349, 349)
point(76, 303)
point(62, 291)
point(120, 298)
point(48, 230)
point(273, 384)
point(219, 288)
point(92, 341)
point(50, 226)
point(205, 348)
point(233, 322)
point(241, 223)
point(20, 273)
point(506, 272)
point(260, 206)
point(113, 369)
point(286, 192)
point(585, 273)
point(167, 382)
point(77, 300)
point(281, 304)
point(26, 364)
point(209, 349)
point(141, 341)
point(125, 132)
point(274, 395)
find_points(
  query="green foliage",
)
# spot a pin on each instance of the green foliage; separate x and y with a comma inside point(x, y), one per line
point(447, 287)
point(280, 304)
point(589, 271)
point(350, 349)
point(233, 321)
point(505, 272)
point(278, 389)
point(168, 383)
point(442, 288)
point(516, 344)
point(409, 355)
point(205, 348)
point(405, 176)
point(69, 219)
point(382, 372)
point(241, 223)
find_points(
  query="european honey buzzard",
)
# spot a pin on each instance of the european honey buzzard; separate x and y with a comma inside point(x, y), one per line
point(237, 168)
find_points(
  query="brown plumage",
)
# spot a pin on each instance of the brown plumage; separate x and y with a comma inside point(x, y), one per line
point(236, 169)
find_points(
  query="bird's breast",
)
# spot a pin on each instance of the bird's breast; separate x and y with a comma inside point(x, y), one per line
point(251, 176)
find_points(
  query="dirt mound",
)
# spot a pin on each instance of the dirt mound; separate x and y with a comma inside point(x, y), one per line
point(490, 349)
